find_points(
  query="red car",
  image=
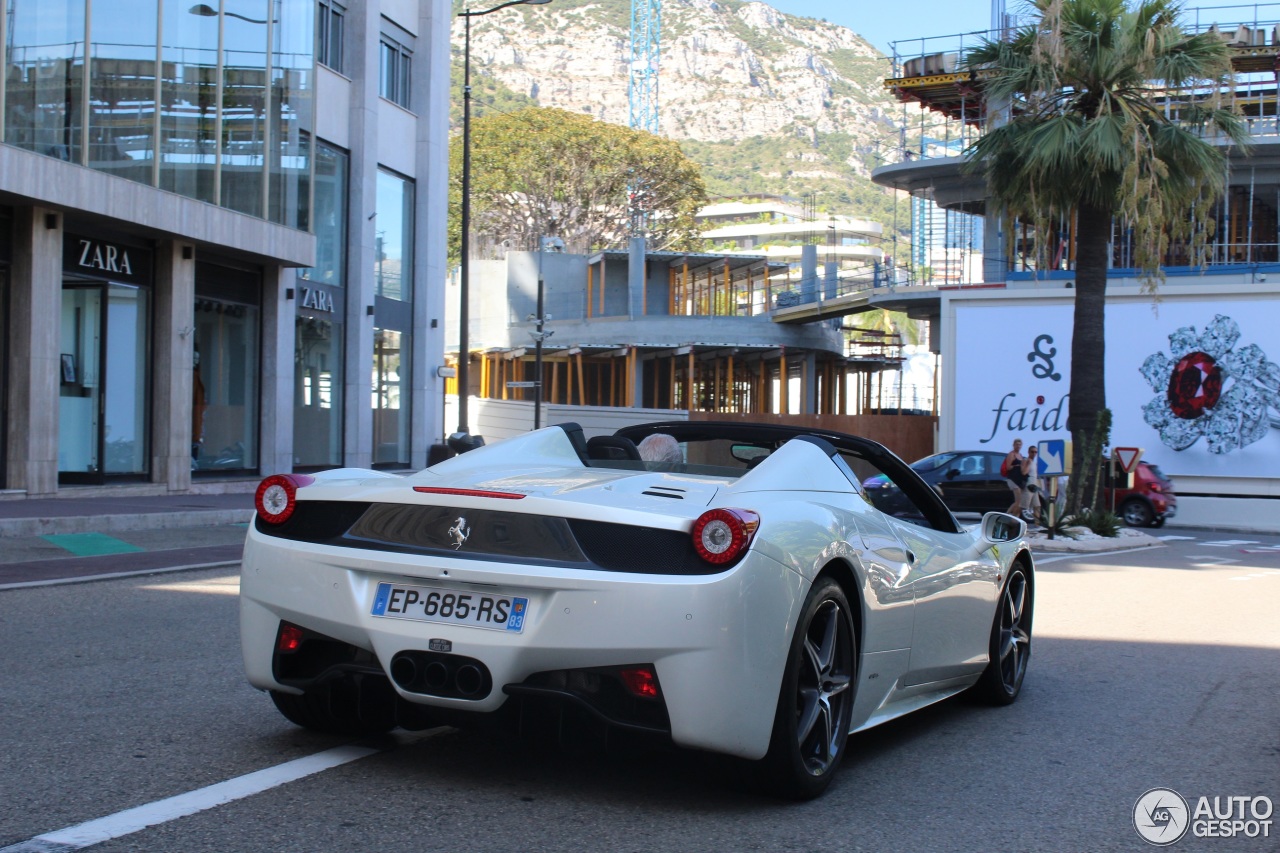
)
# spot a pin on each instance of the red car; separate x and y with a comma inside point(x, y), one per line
point(1149, 502)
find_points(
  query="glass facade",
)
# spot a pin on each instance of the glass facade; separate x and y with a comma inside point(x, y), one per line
point(330, 217)
point(44, 79)
point(292, 88)
point(122, 97)
point(210, 101)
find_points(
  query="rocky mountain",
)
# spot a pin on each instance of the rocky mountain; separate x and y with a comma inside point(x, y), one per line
point(766, 102)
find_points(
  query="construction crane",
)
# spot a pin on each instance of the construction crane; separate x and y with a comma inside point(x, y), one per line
point(642, 88)
point(642, 93)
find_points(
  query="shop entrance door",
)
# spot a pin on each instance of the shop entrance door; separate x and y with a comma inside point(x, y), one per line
point(104, 405)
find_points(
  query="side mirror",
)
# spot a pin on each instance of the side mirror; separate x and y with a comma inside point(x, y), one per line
point(1000, 527)
point(952, 473)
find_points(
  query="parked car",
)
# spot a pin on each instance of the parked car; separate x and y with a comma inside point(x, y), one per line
point(970, 481)
point(748, 600)
point(1150, 502)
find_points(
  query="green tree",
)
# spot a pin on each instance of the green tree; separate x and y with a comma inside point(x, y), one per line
point(1104, 111)
point(540, 171)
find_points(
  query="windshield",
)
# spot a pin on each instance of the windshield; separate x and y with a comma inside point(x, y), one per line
point(930, 463)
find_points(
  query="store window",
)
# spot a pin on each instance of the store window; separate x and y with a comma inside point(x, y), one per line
point(225, 387)
point(317, 393)
point(391, 395)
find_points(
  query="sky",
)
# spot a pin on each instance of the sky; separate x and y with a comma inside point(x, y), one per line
point(883, 21)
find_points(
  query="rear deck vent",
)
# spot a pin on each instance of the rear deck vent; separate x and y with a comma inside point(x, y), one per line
point(664, 492)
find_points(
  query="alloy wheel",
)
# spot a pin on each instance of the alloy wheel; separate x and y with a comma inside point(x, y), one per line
point(1015, 632)
point(823, 696)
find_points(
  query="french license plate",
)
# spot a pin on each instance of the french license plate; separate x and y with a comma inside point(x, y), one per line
point(451, 606)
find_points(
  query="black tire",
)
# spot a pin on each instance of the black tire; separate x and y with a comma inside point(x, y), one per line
point(333, 711)
point(1010, 648)
point(1136, 513)
point(815, 703)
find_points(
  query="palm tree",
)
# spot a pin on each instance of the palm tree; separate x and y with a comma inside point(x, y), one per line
point(1105, 113)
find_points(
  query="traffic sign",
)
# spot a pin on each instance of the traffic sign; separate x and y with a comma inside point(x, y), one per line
point(1053, 458)
point(1127, 457)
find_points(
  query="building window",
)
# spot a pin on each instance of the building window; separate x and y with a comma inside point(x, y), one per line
point(330, 217)
point(393, 243)
point(331, 25)
point(395, 65)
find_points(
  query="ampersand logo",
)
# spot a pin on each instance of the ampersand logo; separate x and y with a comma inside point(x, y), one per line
point(1043, 371)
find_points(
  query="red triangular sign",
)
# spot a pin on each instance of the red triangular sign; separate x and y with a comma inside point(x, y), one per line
point(1128, 457)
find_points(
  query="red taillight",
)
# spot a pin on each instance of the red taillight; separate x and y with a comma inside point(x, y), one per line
point(276, 497)
point(641, 681)
point(290, 638)
point(1155, 487)
point(468, 493)
point(721, 536)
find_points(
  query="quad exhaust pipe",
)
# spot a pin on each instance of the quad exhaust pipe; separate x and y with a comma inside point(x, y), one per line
point(444, 675)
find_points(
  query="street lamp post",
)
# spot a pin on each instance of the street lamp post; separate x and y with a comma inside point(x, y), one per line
point(464, 269)
point(539, 335)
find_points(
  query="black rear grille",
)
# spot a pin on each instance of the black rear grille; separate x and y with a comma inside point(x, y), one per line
point(494, 535)
point(625, 548)
point(322, 522)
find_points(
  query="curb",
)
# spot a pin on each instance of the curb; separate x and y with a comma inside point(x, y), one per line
point(11, 527)
point(1128, 540)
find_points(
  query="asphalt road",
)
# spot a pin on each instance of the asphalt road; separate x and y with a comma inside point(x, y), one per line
point(1150, 668)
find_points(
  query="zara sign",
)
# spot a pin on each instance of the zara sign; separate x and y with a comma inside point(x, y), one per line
point(102, 259)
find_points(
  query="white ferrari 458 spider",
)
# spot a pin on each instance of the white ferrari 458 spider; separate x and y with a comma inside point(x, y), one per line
point(742, 595)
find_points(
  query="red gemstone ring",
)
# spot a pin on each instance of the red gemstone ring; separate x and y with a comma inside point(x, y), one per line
point(1212, 390)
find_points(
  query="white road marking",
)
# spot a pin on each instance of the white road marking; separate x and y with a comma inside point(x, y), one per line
point(1227, 543)
point(1169, 537)
point(1210, 560)
point(138, 818)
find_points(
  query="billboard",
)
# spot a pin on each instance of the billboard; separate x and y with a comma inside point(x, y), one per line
point(1189, 380)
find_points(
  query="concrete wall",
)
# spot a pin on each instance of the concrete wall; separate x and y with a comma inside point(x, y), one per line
point(135, 207)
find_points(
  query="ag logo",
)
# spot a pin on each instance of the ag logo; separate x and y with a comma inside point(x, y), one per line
point(1161, 816)
point(459, 532)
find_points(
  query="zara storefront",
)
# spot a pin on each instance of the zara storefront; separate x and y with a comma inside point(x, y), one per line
point(207, 273)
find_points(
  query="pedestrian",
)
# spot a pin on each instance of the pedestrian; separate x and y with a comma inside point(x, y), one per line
point(1014, 478)
point(1030, 498)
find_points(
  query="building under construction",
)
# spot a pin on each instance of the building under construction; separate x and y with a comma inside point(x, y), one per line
point(673, 330)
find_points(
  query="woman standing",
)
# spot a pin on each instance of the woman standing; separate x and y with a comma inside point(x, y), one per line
point(1014, 477)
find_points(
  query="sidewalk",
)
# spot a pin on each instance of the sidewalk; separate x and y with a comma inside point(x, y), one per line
point(56, 540)
point(103, 514)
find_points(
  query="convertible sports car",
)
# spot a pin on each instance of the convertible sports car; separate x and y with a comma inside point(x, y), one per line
point(746, 600)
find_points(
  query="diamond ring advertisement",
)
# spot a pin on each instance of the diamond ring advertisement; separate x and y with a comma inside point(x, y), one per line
point(1207, 388)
